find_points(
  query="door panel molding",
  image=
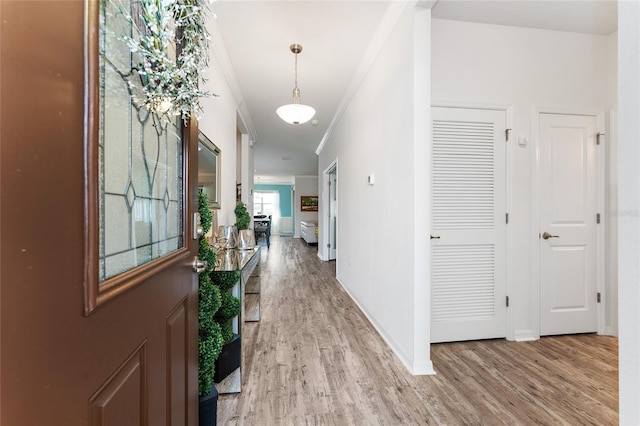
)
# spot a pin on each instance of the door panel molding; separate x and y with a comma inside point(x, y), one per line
point(177, 329)
point(122, 399)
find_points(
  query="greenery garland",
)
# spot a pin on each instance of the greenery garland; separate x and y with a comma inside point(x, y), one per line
point(172, 43)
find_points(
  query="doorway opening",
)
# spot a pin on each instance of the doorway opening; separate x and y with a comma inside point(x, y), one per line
point(329, 251)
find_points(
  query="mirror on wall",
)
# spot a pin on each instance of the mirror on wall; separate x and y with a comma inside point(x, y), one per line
point(209, 170)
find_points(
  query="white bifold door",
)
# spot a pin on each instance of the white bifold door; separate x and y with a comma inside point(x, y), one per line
point(567, 239)
point(468, 224)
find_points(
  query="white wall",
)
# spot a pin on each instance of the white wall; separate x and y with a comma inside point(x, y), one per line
point(524, 69)
point(304, 185)
point(629, 207)
point(247, 172)
point(376, 224)
point(218, 122)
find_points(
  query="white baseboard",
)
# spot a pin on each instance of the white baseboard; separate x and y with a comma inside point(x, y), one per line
point(423, 368)
point(415, 367)
point(323, 259)
point(525, 336)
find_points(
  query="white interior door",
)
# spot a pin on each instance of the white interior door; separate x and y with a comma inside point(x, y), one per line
point(568, 206)
point(468, 223)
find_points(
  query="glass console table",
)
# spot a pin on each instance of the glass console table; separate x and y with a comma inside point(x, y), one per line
point(247, 262)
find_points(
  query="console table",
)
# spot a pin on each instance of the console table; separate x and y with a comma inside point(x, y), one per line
point(247, 289)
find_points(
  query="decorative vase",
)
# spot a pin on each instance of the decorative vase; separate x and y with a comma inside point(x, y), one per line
point(208, 408)
point(229, 260)
point(246, 239)
point(228, 233)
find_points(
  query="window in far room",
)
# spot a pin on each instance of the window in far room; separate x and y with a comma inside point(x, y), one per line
point(266, 203)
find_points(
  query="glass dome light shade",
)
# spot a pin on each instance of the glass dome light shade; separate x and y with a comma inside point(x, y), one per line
point(296, 113)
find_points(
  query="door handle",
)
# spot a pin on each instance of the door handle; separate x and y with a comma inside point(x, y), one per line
point(546, 236)
point(437, 237)
point(199, 266)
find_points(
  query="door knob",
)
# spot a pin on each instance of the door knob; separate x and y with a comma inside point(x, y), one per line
point(199, 266)
point(434, 238)
point(547, 235)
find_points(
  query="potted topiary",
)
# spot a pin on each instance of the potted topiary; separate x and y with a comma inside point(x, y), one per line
point(242, 216)
point(229, 358)
point(210, 338)
point(246, 238)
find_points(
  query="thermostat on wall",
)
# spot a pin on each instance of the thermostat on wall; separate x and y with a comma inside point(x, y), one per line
point(523, 141)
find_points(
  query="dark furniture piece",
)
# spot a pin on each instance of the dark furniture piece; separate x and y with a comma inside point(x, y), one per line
point(262, 227)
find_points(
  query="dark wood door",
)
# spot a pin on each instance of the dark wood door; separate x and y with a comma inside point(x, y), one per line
point(133, 359)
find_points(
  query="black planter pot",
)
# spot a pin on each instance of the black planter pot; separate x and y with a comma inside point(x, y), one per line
point(208, 409)
point(229, 359)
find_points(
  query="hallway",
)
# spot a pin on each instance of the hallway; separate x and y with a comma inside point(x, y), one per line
point(315, 359)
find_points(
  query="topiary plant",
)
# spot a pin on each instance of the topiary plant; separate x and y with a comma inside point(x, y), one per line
point(210, 335)
point(230, 305)
point(242, 216)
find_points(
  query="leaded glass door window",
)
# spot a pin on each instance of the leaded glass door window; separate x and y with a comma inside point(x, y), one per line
point(137, 196)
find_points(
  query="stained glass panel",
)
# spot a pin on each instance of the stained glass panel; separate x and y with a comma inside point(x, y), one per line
point(140, 159)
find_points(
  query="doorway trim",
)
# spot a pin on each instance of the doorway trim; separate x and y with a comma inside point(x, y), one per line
point(535, 217)
point(323, 219)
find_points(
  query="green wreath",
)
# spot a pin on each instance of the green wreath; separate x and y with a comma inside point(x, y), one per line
point(172, 43)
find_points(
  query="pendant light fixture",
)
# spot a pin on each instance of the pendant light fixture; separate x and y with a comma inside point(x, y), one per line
point(296, 113)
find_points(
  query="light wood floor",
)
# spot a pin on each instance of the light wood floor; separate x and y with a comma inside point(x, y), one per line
point(314, 359)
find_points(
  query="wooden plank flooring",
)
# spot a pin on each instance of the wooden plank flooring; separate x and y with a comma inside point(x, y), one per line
point(314, 359)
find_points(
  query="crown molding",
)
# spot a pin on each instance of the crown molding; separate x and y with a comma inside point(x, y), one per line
point(387, 24)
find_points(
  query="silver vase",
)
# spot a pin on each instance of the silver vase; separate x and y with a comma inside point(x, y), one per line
point(228, 234)
point(246, 239)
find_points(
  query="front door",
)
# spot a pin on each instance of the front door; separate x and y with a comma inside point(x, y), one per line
point(567, 239)
point(98, 298)
point(468, 224)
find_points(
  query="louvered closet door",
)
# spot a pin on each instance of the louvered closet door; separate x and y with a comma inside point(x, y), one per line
point(468, 202)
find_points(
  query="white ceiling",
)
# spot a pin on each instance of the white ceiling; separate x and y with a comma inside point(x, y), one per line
point(578, 16)
point(335, 35)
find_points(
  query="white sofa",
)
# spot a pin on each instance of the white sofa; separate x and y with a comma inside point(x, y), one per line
point(308, 232)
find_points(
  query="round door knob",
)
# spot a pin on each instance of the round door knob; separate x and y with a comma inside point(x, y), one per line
point(199, 266)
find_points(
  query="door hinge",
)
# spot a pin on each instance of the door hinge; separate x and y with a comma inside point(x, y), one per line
point(597, 217)
point(328, 245)
point(507, 301)
point(598, 137)
point(507, 132)
point(507, 218)
point(599, 297)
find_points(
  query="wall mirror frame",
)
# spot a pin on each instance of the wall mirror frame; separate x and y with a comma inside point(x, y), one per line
point(209, 161)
